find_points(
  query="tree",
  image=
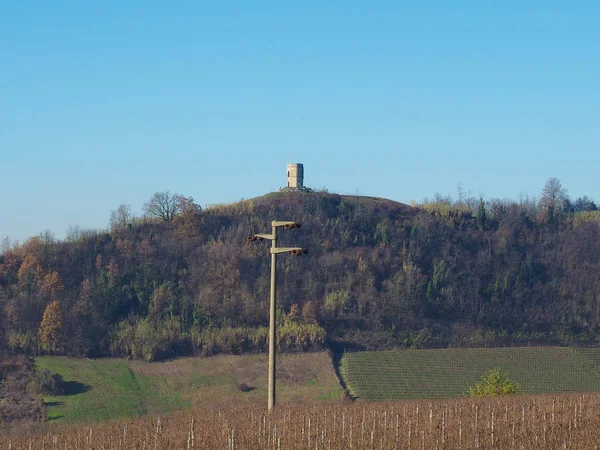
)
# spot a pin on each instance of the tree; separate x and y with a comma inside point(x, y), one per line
point(309, 312)
point(554, 195)
point(162, 303)
point(187, 205)
point(51, 328)
point(85, 324)
point(164, 205)
point(52, 284)
point(481, 215)
point(494, 383)
point(120, 217)
point(188, 221)
point(584, 204)
point(5, 245)
point(294, 312)
point(30, 273)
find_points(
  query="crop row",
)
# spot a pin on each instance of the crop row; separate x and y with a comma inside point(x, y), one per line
point(450, 372)
point(532, 422)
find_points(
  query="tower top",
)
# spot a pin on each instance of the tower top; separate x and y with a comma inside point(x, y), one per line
point(295, 176)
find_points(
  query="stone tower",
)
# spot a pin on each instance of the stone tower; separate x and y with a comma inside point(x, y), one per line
point(295, 176)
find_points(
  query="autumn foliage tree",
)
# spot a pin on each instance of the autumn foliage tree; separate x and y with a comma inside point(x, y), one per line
point(52, 328)
point(52, 284)
point(29, 273)
point(309, 312)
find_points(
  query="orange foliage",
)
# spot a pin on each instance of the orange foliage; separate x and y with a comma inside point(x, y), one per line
point(294, 312)
point(30, 272)
point(51, 328)
point(309, 312)
point(32, 246)
point(12, 261)
point(52, 284)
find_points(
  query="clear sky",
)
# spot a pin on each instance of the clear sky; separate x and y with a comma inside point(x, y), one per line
point(104, 103)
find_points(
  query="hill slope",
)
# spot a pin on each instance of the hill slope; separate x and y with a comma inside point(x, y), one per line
point(378, 274)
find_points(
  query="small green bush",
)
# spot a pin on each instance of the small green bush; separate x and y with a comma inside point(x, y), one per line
point(494, 383)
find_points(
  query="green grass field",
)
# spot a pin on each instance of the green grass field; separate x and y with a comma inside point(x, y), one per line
point(103, 389)
point(98, 390)
point(444, 373)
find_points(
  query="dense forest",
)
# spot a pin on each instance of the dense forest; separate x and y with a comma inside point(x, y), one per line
point(184, 280)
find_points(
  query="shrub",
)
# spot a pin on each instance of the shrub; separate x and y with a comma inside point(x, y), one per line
point(243, 387)
point(291, 336)
point(144, 339)
point(226, 340)
point(48, 383)
point(494, 383)
point(23, 342)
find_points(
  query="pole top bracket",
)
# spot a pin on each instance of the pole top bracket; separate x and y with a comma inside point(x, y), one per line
point(287, 224)
point(296, 251)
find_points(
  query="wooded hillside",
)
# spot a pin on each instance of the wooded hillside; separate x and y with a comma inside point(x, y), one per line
point(378, 273)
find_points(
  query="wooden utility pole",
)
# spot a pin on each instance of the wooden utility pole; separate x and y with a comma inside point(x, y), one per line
point(296, 251)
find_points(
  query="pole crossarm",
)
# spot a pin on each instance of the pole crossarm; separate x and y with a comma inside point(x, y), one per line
point(261, 237)
point(269, 237)
point(287, 250)
point(288, 224)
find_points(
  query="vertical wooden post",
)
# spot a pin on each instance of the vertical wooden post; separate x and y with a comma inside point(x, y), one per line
point(272, 324)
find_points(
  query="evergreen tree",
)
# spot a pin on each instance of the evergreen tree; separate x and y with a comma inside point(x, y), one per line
point(481, 215)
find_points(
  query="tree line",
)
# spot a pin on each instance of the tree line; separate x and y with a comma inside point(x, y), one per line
point(183, 280)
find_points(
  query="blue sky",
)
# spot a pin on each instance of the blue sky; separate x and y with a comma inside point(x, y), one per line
point(104, 103)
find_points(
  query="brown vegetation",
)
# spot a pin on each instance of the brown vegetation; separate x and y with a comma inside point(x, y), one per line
point(532, 422)
point(19, 387)
point(378, 274)
point(300, 377)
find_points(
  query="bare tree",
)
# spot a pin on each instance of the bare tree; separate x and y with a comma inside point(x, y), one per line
point(47, 237)
point(163, 205)
point(5, 245)
point(73, 233)
point(554, 195)
point(77, 233)
point(120, 217)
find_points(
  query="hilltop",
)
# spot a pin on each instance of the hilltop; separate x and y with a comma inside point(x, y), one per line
point(378, 274)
